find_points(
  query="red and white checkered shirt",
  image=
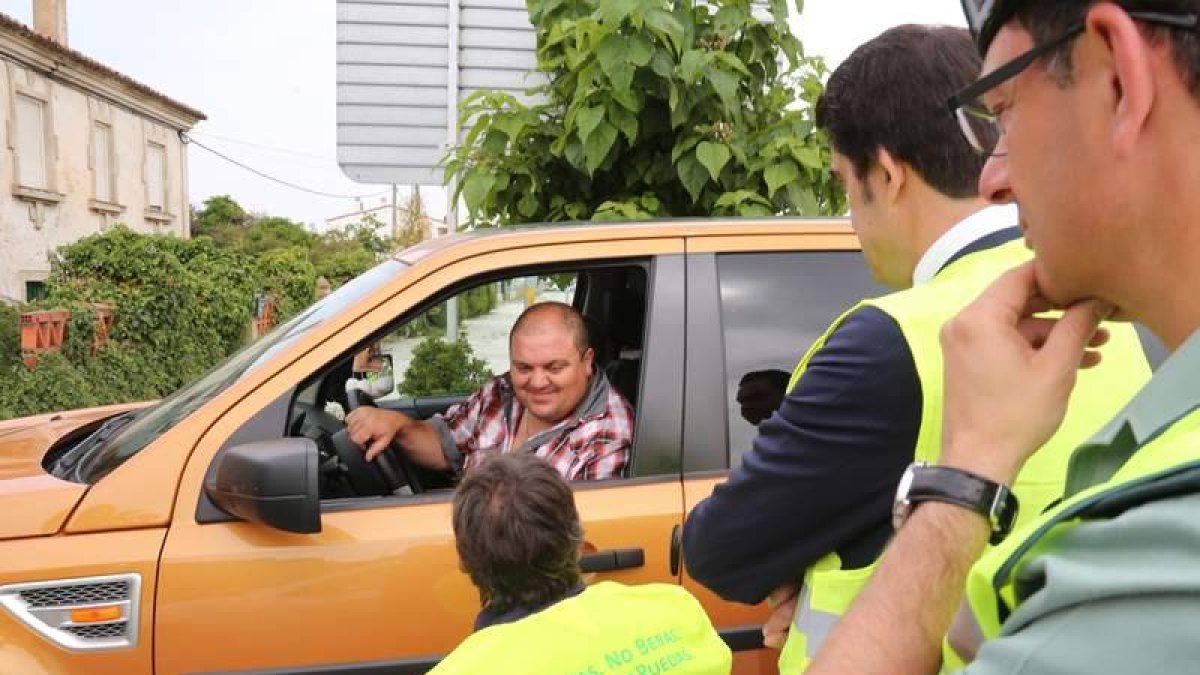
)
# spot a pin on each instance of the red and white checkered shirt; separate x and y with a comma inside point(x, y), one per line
point(593, 443)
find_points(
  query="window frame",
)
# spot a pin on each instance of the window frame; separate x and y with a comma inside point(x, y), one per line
point(151, 207)
point(706, 404)
point(19, 159)
point(102, 129)
point(656, 455)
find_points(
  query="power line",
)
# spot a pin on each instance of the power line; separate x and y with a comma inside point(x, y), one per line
point(260, 146)
point(269, 177)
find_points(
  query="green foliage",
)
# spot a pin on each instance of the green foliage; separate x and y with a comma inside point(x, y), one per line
point(440, 367)
point(118, 373)
point(652, 109)
point(338, 255)
point(477, 301)
point(471, 303)
point(288, 275)
point(341, 255)
point(184, 303)
point(10, 336)
point(272, 233)
point(222, 219)
point(416, 225)
point(57, 384)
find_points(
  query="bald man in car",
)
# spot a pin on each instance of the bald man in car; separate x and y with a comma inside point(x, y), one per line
point(553, 402)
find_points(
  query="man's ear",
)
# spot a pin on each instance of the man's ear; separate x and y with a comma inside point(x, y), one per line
point(894, 174)
point(1128, 55)
point(589, 360)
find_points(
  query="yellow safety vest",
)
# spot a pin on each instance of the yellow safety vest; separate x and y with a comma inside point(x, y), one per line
point(609, 628)
point(920, 312)
point(1158, 468)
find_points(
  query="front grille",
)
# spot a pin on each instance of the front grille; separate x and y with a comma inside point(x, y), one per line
point(98, 631)
point(73, 596)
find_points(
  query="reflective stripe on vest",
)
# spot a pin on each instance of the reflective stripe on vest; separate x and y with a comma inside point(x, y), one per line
point(920, 313)
point(609, 628)
point(1166, 465)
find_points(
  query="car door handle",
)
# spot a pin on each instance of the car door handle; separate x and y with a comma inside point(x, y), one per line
point(615, 559)
point(676, 549)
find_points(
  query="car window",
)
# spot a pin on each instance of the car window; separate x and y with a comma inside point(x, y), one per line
point(426, 363)
point(157, 420)
point(773, 307)
point(427, 356)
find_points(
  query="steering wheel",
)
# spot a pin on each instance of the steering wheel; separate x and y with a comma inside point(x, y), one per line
point(391, 467)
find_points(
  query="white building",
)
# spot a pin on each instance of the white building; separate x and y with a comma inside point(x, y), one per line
point(381, 210)
point(84, 147)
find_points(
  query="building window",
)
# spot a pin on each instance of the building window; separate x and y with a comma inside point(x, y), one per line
point(35, 291)
point(156, 178)
point(102, 162)
point(31, 143)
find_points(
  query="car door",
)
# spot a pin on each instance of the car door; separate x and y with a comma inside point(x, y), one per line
point(378, 589)
point(753, 310)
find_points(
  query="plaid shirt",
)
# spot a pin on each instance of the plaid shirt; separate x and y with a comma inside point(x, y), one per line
point(593, 443)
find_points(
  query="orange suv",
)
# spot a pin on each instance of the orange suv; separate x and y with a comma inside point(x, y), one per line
point(232, 527)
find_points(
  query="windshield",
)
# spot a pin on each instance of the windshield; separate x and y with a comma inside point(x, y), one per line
point(153, 422)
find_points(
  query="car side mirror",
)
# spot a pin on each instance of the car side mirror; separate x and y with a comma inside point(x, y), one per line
point(271, 482)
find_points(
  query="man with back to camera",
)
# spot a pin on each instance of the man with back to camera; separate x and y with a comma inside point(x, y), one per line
point(553, 402)
point(1098, 104)
point(518, 537)
point(812, 500)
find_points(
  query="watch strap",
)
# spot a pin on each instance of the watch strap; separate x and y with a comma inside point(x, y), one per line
point(954, 486)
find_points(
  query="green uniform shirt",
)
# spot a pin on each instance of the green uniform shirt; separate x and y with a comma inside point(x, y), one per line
point(1121, 595)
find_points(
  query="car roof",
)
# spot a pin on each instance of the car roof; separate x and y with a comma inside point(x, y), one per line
point(585, 231)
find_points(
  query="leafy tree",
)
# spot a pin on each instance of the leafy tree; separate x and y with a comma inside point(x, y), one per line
point(415, 227)
point(365, 233)
point(221, 218)
point(651, 108)
point(341, 255)
point(10, 335)
point(288, 275)
point(441, 367)
point(272, 232)
point(184, 303)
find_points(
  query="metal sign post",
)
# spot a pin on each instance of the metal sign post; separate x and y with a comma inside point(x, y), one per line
point(451, 140)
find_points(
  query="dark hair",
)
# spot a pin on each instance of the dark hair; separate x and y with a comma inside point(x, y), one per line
point(890, 94)
point(570, 317)
point(776, 378)
point(1046, 20)
point(517, 532)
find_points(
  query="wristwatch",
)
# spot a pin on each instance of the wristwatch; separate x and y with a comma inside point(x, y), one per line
point(922, 483)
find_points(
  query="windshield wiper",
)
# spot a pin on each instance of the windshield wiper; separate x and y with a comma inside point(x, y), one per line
point(65, 465)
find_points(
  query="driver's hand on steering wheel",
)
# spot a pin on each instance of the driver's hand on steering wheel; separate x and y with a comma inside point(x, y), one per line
point(375, 429)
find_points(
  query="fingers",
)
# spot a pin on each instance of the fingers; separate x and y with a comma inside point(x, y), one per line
point(782, 594)
point(1066, 342)
point(783, 601)
point(1035, 329)
point(1015, 293)
point(377, 447)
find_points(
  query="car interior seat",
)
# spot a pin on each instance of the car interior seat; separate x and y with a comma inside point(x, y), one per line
point(627, 322)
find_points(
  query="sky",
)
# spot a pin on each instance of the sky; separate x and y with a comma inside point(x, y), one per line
point(263, 72)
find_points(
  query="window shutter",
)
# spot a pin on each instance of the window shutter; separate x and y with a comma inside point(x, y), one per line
point(155, 184)
point(31, 142)
point(102, 162)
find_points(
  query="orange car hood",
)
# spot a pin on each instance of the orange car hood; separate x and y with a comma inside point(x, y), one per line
point(32, 502)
